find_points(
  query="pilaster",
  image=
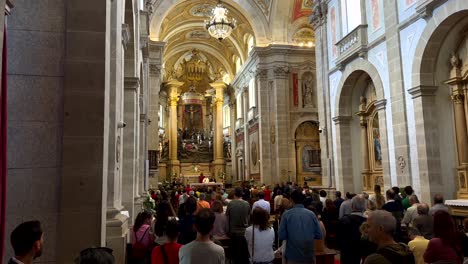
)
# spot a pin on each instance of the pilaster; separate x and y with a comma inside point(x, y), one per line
point(343, 159)
point(427, 135)
point(397, 93)
point(266, 139)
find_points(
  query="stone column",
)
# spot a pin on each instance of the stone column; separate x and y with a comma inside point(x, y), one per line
point(218, 101)
point(319, 22)
point(234, 165)
point(245, 118)
point(430, 177)
point(266, 139)
point(173, 99)
point(282, 124)
point(130, 144)
point(155, 50)
point(344, 173)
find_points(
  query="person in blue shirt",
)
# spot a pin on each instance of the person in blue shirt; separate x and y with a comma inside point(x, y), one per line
point(299, 227)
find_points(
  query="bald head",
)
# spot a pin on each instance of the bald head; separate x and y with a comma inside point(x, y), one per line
point(423, 209)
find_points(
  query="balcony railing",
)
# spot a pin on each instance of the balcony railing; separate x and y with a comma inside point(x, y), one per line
point(352, 45)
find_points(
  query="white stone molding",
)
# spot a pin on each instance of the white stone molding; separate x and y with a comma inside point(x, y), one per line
point(341, 120)
point(426, 7)
point(131, 83)
point(422, 90)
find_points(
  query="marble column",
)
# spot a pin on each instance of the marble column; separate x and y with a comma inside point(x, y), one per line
point(218, 102)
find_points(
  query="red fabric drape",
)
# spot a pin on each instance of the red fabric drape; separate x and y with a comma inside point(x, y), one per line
point(3, 146)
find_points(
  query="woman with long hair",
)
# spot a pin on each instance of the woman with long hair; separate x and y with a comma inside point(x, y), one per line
point(260, 237)
point(141, 238)
point(446, 244)
point(220, 226)
point(162, 217)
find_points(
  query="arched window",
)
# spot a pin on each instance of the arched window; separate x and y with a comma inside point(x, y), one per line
point(351, 15)
point(238, 65)
point(239, 106)
point(250, 44)
point(252, 95)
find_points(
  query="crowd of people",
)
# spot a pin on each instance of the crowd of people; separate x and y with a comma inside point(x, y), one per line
point(286, 224)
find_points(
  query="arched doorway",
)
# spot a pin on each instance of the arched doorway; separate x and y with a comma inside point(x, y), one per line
point(309, 167)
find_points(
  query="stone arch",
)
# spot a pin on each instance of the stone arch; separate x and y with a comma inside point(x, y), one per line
point(437, 27)
point(347, 125)
point(352, 72)
point(259, 23)
point(432, 110)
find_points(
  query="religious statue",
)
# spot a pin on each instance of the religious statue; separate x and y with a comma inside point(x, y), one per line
point(455, 60)
point(192, 112)
point(307, 91)
point(377, 146)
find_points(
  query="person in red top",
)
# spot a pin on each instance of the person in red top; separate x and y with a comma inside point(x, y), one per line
point(169, 252)
point(267, 193)
point(201, 178)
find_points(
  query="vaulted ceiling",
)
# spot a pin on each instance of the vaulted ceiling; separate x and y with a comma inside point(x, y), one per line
point(181, 24)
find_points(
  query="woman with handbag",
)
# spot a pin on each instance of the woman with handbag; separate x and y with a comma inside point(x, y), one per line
point(142, 243)
point(260, 237)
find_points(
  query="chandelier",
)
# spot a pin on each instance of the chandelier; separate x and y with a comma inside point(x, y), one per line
point(220, 26)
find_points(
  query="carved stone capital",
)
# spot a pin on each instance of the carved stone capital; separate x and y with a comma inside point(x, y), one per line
point(261, 74)
point(319, 14)
point(281, 72)
point(154, 69)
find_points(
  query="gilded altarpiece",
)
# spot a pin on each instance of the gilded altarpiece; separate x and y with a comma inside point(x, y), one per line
point(308, 163)
point(371, 151)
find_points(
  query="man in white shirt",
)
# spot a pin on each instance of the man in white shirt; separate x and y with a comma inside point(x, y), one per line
point(202, 249)
point(411, 212)
point(277, 200)
point(261, 203)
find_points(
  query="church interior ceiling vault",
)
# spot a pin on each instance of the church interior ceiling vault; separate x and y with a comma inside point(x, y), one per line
point(181, 24)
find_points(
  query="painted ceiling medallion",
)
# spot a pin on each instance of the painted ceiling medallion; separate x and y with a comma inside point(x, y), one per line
point(197, 34)
point(203, 10)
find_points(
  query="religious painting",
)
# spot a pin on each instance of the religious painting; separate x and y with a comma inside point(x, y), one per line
point(254, 153)
point(302, 8)
point(308, 155)
point(193, 121)
point(375, 14)
point(310, 159)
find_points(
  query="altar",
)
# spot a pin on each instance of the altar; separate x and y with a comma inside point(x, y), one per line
point(207, 185)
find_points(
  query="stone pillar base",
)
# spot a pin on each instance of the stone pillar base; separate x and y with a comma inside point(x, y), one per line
point(116, 236)
point(462, 174)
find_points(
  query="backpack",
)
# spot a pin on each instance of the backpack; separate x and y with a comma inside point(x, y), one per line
point(139, 250)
